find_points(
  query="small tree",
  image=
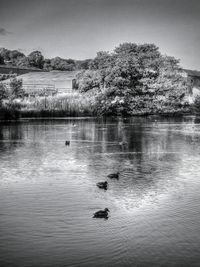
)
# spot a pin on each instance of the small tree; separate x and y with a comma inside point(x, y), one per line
point(3, 93)
point(16, 88)
point(36, 59)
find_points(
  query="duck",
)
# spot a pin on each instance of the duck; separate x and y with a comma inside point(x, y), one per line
point(103, 185)
point(123, 143)
point(113, 175)
point(101, 214)
point(67, 143)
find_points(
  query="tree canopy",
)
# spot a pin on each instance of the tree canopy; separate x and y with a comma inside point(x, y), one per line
point(11, 56)
point(129, 72)
point(36, 59)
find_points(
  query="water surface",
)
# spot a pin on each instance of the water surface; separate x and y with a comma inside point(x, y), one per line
point(48, 192)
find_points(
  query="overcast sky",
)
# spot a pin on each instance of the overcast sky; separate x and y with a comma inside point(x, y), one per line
point(79, 28)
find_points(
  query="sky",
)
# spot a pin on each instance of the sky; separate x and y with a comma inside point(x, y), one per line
point(79, 28)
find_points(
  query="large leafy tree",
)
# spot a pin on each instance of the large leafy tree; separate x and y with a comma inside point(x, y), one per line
point(133, 74)
point(127, 65)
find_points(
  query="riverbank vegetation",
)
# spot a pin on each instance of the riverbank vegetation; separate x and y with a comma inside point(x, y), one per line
point(14, 103)
point(10, 99)
point(132, 80)
point(74, 104)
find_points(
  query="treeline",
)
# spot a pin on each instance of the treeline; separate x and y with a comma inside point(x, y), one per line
point(36, 60)
point(134, 79)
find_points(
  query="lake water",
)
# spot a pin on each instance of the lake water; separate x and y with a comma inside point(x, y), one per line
point(48, 192)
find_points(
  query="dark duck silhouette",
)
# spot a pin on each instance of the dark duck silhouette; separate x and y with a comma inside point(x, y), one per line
point(103, 185)
point(113, 175)
point(67, 143)
point(101, 214)
point(123, 143)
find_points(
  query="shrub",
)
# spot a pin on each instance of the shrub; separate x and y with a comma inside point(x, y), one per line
point(16, 89)
point(3, 93)
point(196, 105)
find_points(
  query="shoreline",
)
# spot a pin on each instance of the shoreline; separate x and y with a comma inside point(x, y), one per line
point(160, 115)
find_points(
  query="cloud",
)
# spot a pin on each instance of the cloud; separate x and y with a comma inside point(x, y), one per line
point(4, 31)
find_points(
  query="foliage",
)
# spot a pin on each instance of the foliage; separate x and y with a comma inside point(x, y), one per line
point(3, 93)
point(196, 104)
point(82, 64)
point(58, 63)
point(11, 56)
point(101, 61)
point(133, 73)
point(36, 59)
point(133, 79)
point(16, 90)
point(47, 65)
point(87, 80)
point(6, 76)
point(9, 106)
point(23, 62)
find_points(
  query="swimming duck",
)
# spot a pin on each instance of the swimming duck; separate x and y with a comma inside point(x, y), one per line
point(67, 143)
point(101, 214)
point(113, 175)
point(123, 143)
point(103, 185)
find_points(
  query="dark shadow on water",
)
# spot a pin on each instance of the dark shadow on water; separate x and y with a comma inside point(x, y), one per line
point(11, 136)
